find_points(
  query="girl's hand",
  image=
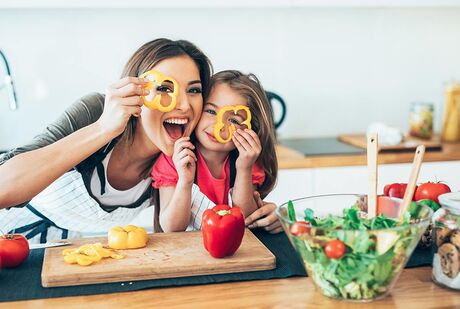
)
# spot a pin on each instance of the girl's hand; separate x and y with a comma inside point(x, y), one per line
point(248, 144)
point(264, 217)
point(184, 160)
point(122, 100)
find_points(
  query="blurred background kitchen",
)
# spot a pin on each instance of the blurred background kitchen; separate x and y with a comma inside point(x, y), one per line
point(339, 66)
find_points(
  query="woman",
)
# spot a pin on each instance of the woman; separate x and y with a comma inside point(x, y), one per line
point(89, 170)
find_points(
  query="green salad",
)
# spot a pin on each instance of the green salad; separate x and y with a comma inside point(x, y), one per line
point(350, 256)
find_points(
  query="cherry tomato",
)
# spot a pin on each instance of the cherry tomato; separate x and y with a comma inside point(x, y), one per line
point(14, 249)
point(395, 190)
point(300, 227)
point(335, 249)
point(431, 191)
point(386, 189)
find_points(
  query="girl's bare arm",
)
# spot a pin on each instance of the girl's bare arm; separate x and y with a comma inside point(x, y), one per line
point(175, 207)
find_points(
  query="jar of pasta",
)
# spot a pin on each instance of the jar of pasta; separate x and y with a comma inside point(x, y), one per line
point(446, 261)
point(451, 120)
point(421, 120)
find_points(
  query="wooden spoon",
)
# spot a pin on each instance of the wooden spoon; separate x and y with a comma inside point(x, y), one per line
point(372, 151)
point(418, 158)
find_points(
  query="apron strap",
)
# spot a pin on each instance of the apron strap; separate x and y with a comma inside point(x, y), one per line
point(39, 227)
point(100, 167)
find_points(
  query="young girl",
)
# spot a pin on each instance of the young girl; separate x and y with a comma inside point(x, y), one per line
point(246, 163)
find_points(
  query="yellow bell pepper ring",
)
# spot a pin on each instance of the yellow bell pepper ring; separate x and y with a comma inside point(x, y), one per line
point(220, 122)
point(128, 237)
point(156, 79)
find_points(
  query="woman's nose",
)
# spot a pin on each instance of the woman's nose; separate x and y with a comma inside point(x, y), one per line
point(183, 103)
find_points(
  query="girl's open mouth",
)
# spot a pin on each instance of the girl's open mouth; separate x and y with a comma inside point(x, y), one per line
point(175, 127)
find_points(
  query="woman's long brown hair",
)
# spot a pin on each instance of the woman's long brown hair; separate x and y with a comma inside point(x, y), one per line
point(144, 59)
point(249, 87)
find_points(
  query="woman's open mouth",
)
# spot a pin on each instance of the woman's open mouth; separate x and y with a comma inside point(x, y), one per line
point(175, 127)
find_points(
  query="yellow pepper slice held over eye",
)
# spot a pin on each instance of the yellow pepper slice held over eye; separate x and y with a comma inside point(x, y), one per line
point(220, 122)
point(156, 79)
point(128, 237)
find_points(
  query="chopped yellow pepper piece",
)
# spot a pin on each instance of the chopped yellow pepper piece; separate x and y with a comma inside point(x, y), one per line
point(128, 237)
point(220, 122)
point(88, 254)
point(156, 79)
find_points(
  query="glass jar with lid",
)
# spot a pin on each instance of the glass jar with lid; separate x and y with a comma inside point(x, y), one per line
point(421, 120)
point(446, 261)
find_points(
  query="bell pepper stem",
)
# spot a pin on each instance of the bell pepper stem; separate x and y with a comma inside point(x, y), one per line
point(223, 212)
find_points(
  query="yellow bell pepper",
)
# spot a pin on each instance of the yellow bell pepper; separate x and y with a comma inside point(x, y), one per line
point(128, 237)
point(156, 78)
point(88, 254)
point(220, 122)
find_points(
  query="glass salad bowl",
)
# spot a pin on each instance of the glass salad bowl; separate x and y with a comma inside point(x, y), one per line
point(346, 255)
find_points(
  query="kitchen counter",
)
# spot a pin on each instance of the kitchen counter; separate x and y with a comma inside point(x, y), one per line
point(289, 158)
point(414, 289)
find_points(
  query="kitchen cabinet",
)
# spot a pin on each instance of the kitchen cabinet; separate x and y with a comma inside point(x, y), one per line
point(292, 184)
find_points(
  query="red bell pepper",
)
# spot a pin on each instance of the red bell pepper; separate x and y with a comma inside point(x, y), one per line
point(223, 230)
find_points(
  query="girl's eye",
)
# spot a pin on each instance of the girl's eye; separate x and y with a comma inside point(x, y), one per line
point(164, 89)
point(195, 90)
point(210, 111)
point(234, 121)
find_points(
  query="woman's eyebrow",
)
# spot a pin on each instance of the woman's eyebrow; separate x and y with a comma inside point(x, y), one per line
point(194, 82)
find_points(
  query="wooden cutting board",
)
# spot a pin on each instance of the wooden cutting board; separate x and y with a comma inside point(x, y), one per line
point(409, 143)
point(167, 255)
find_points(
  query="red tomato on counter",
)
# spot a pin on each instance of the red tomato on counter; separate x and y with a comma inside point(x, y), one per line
point(395, 190)
point(431, 191)
point(14, 249)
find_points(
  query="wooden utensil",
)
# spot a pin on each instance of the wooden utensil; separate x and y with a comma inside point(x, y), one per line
point(372, 151)
point(418, 158)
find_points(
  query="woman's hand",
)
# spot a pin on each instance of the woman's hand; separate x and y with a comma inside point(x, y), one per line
point(248, 144)
point(184, 160)
point(122, 100)
point(264, 216)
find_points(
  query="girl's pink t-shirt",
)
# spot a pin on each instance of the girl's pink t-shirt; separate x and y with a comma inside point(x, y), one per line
point(216, 189)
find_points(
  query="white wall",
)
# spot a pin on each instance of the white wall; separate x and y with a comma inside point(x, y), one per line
point(337, 68)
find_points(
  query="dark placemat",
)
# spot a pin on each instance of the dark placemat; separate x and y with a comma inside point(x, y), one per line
point(421, 257)
point(24, 282)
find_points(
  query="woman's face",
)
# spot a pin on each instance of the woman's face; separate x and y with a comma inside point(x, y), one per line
point(163, 129)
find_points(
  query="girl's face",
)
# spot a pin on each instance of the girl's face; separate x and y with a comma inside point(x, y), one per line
point(163, 129)
point(221, 95)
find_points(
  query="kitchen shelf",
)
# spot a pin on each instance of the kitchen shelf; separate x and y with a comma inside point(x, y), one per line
point(120, 4)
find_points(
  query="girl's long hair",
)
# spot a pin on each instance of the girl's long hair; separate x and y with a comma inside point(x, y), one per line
point(249, 87)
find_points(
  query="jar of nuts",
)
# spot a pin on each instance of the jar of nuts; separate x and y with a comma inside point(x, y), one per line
point(446, 261)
